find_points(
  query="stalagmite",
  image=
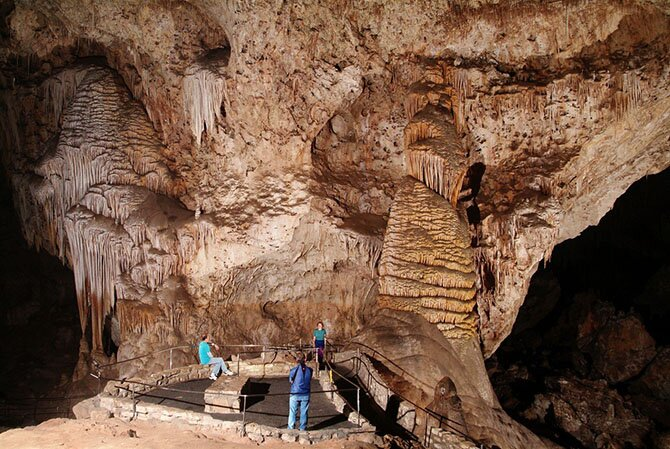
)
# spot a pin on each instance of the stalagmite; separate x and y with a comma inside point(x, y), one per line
point(427, 264)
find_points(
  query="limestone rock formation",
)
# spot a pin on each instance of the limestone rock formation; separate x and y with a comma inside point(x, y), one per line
point(549, 114)
point(412, 343)
point(447, 403)
point(651, 390)
point(622, 349)
point(592, 413)
point(231, 166)
point(426, 265)
point(101, 199)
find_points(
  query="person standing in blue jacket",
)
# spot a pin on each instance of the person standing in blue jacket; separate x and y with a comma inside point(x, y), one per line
point(300, 378)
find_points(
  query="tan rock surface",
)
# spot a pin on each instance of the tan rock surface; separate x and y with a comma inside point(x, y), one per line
point(263, 123)
point(419, 348)
point(116, 434)
point(233, 165)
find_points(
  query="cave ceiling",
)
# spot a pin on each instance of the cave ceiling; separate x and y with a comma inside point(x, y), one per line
point(233, 164)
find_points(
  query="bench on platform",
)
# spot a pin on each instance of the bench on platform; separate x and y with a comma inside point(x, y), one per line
point(223, 396)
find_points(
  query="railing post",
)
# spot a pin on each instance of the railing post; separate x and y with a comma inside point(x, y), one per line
point(358, 360)
point(263, 355)
point(170, 358)
point(132, 397)
point(238, 363)
point(244, 411)
point(358, 406)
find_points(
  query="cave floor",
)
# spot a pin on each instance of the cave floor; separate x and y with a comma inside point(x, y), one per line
point(270, 409)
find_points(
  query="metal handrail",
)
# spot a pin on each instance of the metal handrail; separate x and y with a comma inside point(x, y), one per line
point(441, 418)
point(244, 396)
point(171, 348)
point(270, 348)
point(403, 370)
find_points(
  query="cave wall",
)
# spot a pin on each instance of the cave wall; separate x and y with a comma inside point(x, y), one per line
point(280, 126)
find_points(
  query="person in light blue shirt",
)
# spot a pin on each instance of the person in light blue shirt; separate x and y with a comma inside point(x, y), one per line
point(206, 358)
point(300, 378)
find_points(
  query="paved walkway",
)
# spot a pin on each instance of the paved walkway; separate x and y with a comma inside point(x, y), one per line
point(268, 410)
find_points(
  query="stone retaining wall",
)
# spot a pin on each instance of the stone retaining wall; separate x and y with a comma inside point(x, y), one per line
point(378, 390)
point(160, 379)
point(444, 439)
point(116, 400)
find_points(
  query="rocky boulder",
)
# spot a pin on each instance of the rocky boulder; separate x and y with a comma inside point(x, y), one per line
point(591, 412)
point(622, 349)
point(601, 342)
point(652, 389)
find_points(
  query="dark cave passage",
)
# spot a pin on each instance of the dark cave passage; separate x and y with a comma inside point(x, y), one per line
point(588, 361)
point(40, 329)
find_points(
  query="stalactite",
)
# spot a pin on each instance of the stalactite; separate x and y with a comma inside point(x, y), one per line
point(631, 87)
point(102, 199)
point(9, 124)
point(368, 247)
point(461, 82)
point(136, 317)
point(421, 94)
point(617, 93)
point(434, 153)
point(98, 247)
point(204, 91)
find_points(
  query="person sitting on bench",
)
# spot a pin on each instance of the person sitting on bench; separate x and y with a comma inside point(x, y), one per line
point(206, 358)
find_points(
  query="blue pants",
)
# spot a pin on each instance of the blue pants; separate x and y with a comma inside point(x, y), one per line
point(320, 346)
point(218, 365)
point(303, 399)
